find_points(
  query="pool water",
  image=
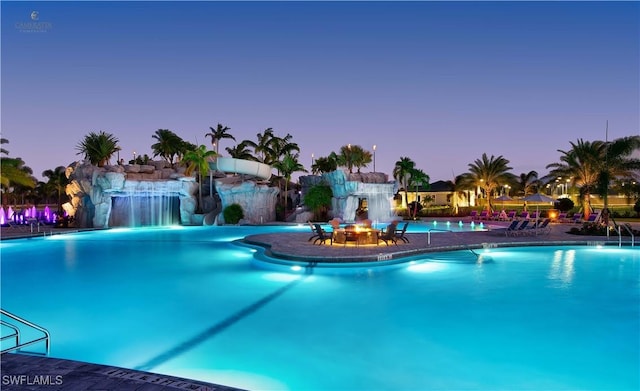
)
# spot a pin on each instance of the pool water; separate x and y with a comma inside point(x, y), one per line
point(188, 302)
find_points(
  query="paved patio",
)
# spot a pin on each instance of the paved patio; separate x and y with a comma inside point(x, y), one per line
point(297, 247)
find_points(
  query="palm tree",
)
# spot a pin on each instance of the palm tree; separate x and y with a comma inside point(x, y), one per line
point(591, 166)
point(418, 178)
point(323, 165)
point(345, 157)
point(401, 173)
point(488, 174)
point(13, 171)
point(287, 166)
point(197, 159)
point(58, 181)
point(240, 151)
point(528, 182)
point(280, 147)
point(360, 157)
point(169, 145)
point(262, 148)
point(98, 147)
point(218, 134)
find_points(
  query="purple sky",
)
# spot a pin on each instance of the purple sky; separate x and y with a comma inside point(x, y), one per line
point(439, 82)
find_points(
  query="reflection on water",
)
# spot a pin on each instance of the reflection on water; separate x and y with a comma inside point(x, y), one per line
point(562, 267)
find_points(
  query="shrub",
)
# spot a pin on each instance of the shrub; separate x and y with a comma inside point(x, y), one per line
point(636, 207)
point(564, 204)
point(233, 213)
point(318, 199)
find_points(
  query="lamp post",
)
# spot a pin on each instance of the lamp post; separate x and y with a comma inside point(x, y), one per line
point(374, 158)
point(312, 156)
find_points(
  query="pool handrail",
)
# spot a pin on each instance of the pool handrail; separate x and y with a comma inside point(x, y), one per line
point(46, 337)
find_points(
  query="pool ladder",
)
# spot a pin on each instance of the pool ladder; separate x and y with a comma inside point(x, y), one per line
point(618, 228)
point(15, 327)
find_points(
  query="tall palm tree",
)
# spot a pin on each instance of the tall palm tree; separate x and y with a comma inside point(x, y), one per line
point(402, 172)
point(280, 147)
point(168, 145)
point(218, 134)
point(418, 178)
point(618, 164)
point(345, 157)
point(262, 148)
point(287, 166)
point(98, 147)
point(488, 173)
point(58, 181)
point(591, 165)
point(197, 160)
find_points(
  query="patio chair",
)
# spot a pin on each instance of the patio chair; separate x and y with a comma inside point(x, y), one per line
point(400, 233)
point(593, 217)
point(313, 231)
point(512, 227)
point(543, 227)
point(322, 235)
point(389, 234)
point(519, 229)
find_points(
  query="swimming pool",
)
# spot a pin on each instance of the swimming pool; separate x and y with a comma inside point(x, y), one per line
point(188, 302)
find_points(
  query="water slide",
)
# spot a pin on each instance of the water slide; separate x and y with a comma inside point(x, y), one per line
point(241, 166)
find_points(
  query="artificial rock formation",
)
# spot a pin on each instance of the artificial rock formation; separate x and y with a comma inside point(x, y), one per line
point(348, 189)
point(258, 201)
point(92, 190)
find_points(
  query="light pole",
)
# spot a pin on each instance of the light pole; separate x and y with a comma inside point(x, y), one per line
point(374, 158)
point(312, 160)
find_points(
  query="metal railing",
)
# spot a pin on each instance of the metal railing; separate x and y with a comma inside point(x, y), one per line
point(618, 228)
point(16, 333)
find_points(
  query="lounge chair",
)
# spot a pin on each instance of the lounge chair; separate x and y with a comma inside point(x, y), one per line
point(512, 215)
point(400, 233)
point(562, 217)
point(389, 234)
point(519, 229)
point(593, 217)
point(473, 214)
point(543, 227)
point(484, 215)
point(524, 216)
point(495, 215)
point(512, 227)
point(576, 218)
point(322, 235)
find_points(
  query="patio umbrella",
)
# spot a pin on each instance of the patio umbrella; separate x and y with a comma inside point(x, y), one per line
point(503, 198)
point(538, 198)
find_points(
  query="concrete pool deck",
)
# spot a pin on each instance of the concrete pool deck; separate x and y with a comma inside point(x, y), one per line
point(27, 370)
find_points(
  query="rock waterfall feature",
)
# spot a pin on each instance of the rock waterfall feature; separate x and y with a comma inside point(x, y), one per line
point(258, 201)
point(352, 191)
point(132, 195)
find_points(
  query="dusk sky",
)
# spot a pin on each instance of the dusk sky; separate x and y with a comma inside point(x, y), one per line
point(439, 82)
